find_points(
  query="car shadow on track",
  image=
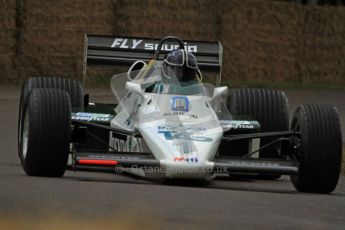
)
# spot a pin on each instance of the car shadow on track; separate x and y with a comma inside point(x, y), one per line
point(234, 183)
point(222, 183)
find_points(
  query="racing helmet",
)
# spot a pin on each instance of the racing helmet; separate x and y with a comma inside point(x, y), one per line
point(181, 65)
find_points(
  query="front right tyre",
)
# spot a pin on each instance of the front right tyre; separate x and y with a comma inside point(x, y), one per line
point(318, 150)
point(45, 133)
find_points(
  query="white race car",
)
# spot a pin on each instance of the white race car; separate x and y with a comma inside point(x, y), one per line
point(168, 122)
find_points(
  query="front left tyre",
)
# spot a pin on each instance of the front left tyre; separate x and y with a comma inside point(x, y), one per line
point(45, 133)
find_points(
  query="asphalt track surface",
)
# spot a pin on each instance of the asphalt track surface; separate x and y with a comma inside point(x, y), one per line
point(221, 204)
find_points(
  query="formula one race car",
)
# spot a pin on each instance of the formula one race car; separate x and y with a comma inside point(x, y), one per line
point(167, 122)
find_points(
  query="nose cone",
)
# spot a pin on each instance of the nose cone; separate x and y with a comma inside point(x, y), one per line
point(183, 154)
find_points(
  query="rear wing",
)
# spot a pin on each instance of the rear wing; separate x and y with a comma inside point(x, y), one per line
point(122, 51)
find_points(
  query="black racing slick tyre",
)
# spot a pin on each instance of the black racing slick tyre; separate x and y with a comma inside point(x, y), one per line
point(45, 133)
point(71, 86)
point(269, 107)
point(318, 149)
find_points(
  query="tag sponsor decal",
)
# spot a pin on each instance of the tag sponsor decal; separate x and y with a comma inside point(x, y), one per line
point(183, 133)
point(180, 127)
point(173, 135)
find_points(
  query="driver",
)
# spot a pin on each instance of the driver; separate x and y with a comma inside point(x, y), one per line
point(181, 66)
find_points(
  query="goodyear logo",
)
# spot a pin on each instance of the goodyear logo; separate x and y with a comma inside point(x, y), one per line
point(84, 116)
point(180, 104)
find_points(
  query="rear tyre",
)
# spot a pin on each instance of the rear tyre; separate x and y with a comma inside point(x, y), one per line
point(45, 132)
point(319, 148)
point(270, 108)
point(71, 86)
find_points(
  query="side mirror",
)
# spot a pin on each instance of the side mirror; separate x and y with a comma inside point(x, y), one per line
point(135, 88)
point(219, 91)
